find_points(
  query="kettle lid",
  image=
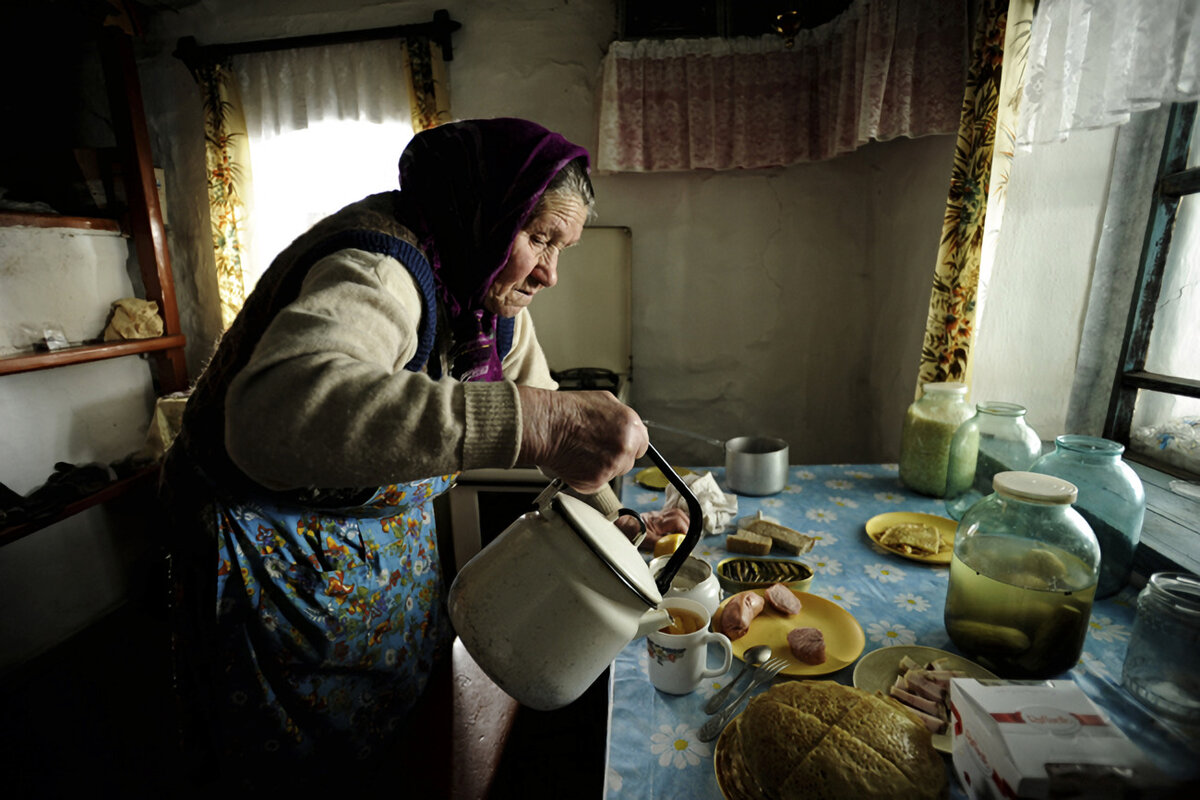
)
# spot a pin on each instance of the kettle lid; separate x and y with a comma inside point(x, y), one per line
point(606, 541)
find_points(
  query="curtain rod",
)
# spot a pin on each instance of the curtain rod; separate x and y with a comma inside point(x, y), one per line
point(439, 30)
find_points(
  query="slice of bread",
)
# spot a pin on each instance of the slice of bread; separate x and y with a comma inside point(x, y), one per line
point(784, 538)
point(749, 543)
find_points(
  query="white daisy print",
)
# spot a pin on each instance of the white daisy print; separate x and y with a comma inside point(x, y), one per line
point(1096, 666)
point(888, 634)
point(884, 573)
point(857, 473)
point(678, 746)
point(837, 483)
point(822, 538)
point(614, 780)
point(829, 566)
point(1104, 630)
point(804, 475)
point(912, 602)
point(889, 497)
point(891, 467)
point(839, 594)
point(820, 515)
point(772, 502)
point(792, 488)
point(644, 499)
point(844, 502)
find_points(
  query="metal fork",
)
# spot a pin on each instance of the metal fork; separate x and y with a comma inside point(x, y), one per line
point(717, 722)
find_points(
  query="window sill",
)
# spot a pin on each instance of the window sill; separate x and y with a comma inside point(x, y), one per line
point(1171, 531)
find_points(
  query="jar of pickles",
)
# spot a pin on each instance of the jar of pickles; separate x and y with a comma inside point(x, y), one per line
point(929, 426)
point(1023, 578)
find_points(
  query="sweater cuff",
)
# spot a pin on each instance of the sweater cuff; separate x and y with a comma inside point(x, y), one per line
point(493, 425)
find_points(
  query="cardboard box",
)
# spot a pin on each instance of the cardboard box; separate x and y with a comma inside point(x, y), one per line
point(1037, 739)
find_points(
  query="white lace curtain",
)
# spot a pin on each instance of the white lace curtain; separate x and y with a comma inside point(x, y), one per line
point(289, 90)
point(882, 69)
point(1092, 63)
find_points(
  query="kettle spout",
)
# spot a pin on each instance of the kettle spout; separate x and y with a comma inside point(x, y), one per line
point(652, 620)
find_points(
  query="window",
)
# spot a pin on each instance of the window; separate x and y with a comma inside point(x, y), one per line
point(1155, 404)
point(303, 176)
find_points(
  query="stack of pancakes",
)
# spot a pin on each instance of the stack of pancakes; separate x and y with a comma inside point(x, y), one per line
point(819, 739)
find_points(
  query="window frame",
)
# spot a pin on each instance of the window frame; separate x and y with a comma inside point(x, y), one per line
point(1173, 181)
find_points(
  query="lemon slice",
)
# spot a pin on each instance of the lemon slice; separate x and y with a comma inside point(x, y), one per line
point(668, 544)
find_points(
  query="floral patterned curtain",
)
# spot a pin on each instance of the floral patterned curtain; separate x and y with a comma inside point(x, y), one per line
point(880, 70)
point(978, 184)
point(227, 164)
point(228, 161)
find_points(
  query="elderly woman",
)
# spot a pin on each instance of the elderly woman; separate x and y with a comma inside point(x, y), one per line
point(384, 351)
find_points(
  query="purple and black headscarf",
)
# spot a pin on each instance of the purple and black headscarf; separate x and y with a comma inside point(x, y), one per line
point(467, 188)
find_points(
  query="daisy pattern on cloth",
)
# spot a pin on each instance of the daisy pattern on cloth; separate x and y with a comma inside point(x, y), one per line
point(1103, 629)
point(830, 566)
point(889, 497)
point(858, 473)
point(838, 483)
point(887, 634)
point(844, 502)
point(804, 474)
point(847, 598)
point(823, 538)
point(820, 515)
point(614, 780)
point(884, 573)
point(678, 747)
point(912, 602)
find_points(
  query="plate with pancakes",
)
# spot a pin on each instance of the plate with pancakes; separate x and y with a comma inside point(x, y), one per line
point(918, 537)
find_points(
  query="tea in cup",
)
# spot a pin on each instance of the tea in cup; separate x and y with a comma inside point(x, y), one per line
point(679, 651)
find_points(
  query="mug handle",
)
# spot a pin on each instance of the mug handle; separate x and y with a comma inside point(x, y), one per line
point(727, 646)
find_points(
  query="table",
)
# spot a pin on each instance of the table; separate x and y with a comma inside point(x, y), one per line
point(653, 748)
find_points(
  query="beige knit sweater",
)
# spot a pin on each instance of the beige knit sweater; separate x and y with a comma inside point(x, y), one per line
point(325, 399)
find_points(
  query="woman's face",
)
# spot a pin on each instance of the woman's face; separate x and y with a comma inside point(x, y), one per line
point(533, 261)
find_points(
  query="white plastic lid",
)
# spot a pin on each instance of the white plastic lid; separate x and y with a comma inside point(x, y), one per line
point(1035, 488)
point(607, 541)
point(957, 388)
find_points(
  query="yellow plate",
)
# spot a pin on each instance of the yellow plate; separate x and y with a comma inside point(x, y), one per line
point(844, 640)
point(653, 478)
point(732, 779)
point(946, 527)
point(878, 670)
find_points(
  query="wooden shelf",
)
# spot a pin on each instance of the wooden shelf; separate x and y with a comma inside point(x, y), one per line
point(109, 492)
point(80, 354)
point(32, 219)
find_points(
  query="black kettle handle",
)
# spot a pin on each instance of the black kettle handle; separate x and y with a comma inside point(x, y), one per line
point(695, 522)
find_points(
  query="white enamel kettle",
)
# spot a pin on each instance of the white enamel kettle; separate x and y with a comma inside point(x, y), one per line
point(547, 605)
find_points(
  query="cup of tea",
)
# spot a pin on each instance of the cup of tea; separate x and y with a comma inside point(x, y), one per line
point(679, 651)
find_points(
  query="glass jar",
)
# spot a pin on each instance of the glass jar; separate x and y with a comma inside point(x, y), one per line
point(1022, 578)
point(996, 439)
point(1160, 665)
point(1111, 499)
point(929, 425)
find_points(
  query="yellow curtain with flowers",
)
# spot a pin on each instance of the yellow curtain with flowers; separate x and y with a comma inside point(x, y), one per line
point(227, 155)
point(978, 186)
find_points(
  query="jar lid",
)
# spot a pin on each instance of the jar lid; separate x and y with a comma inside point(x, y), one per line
point(956, 388)
point(1035, 488)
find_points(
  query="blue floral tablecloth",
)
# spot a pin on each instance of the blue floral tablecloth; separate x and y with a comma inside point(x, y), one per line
point(654, 751)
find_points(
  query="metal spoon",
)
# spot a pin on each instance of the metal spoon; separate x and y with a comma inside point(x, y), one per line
point(751, 658)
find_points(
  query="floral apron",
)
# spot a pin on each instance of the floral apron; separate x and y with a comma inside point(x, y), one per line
point(328, 622)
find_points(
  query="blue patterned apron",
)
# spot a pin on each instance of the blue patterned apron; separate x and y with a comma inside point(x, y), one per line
point(328, 622)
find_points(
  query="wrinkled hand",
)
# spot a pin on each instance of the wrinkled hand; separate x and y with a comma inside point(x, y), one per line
point(585, 438)
point(658, 525)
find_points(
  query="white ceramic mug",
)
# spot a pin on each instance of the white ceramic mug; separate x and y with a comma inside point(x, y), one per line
point(679, 662)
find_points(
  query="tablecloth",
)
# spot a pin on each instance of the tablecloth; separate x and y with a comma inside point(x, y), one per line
point(654, 752)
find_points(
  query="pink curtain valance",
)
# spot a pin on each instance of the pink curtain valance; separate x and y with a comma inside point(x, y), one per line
point(883, 69)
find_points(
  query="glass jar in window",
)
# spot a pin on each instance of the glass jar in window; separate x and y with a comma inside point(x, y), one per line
point(1111, 499)
point(929, 426)
point(996, 439)
point(1023, 578)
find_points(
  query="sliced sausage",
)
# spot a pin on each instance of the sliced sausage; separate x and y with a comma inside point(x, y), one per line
point(782, 599)
point(739, 612)
point(807, 645)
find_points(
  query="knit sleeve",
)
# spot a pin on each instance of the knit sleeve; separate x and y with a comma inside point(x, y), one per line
point(325, 399)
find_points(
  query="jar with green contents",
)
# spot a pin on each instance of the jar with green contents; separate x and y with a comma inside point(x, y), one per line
point(929, 427)
point(1023, 577)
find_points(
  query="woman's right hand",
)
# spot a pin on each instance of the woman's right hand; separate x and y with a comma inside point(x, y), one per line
point(585, 438)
